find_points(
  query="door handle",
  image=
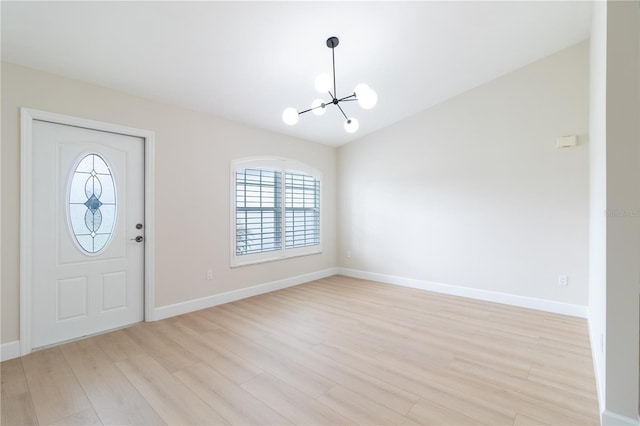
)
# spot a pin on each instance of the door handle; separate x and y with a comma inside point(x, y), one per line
point(137, 239)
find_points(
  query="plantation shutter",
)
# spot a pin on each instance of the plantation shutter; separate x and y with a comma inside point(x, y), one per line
point(258, 211)
point(302, 210)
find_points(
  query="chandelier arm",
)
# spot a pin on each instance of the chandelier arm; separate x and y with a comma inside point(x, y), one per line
point(323, 105)
point(340, 108)
point(347, 98)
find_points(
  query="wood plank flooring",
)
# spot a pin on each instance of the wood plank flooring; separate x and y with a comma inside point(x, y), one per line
point(334, 351)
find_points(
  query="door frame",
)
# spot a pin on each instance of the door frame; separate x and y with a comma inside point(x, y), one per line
point(27, 117)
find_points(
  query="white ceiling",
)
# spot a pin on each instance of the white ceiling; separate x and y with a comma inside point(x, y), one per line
point(247, 61)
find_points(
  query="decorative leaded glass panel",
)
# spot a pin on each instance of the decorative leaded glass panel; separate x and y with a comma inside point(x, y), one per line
point(92, 203)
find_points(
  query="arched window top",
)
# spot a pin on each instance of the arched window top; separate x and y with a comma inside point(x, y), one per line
point(275, 163)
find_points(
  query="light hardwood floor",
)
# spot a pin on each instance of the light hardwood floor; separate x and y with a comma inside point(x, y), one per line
point(334, 351)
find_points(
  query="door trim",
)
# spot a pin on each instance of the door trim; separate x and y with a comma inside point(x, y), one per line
point(27, 117)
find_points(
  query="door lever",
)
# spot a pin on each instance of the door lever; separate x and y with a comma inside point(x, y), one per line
point(137, 239)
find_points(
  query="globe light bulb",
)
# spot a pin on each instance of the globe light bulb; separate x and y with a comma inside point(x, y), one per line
point(323, 83)
point(370, 100)
point(367, 98)
point(351, 125)
point(320, 107)
point(290, 116)
point(361, 89)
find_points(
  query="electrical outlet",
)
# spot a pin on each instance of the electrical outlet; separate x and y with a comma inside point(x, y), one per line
point(209, 274)
point(349, 254)
point(563, 280)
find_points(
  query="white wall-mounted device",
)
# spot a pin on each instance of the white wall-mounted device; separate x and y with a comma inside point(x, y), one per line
point(566, 141)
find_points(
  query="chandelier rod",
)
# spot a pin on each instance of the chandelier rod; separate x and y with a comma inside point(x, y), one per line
point(333, 59)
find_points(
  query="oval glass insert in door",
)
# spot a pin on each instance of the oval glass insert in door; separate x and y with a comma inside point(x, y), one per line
point(92, 205)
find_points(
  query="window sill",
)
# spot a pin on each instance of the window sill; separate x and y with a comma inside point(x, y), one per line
point(239, 261)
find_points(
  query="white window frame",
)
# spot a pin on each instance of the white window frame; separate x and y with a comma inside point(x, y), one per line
point(283, 165)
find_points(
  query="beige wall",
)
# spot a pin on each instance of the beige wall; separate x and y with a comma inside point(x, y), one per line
point(473, 192)
point(475, 181)
point(193, 152)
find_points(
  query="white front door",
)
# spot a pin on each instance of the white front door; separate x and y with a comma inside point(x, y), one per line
point(87, 232)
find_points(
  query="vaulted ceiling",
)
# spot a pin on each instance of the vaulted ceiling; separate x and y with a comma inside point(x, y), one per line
point(247, 61)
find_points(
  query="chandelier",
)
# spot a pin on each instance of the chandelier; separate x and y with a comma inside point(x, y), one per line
point(362, 93)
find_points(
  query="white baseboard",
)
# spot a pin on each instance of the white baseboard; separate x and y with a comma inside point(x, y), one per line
point(230, 296)
point(9, 350)
point(610, 418)
point(473, 293)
